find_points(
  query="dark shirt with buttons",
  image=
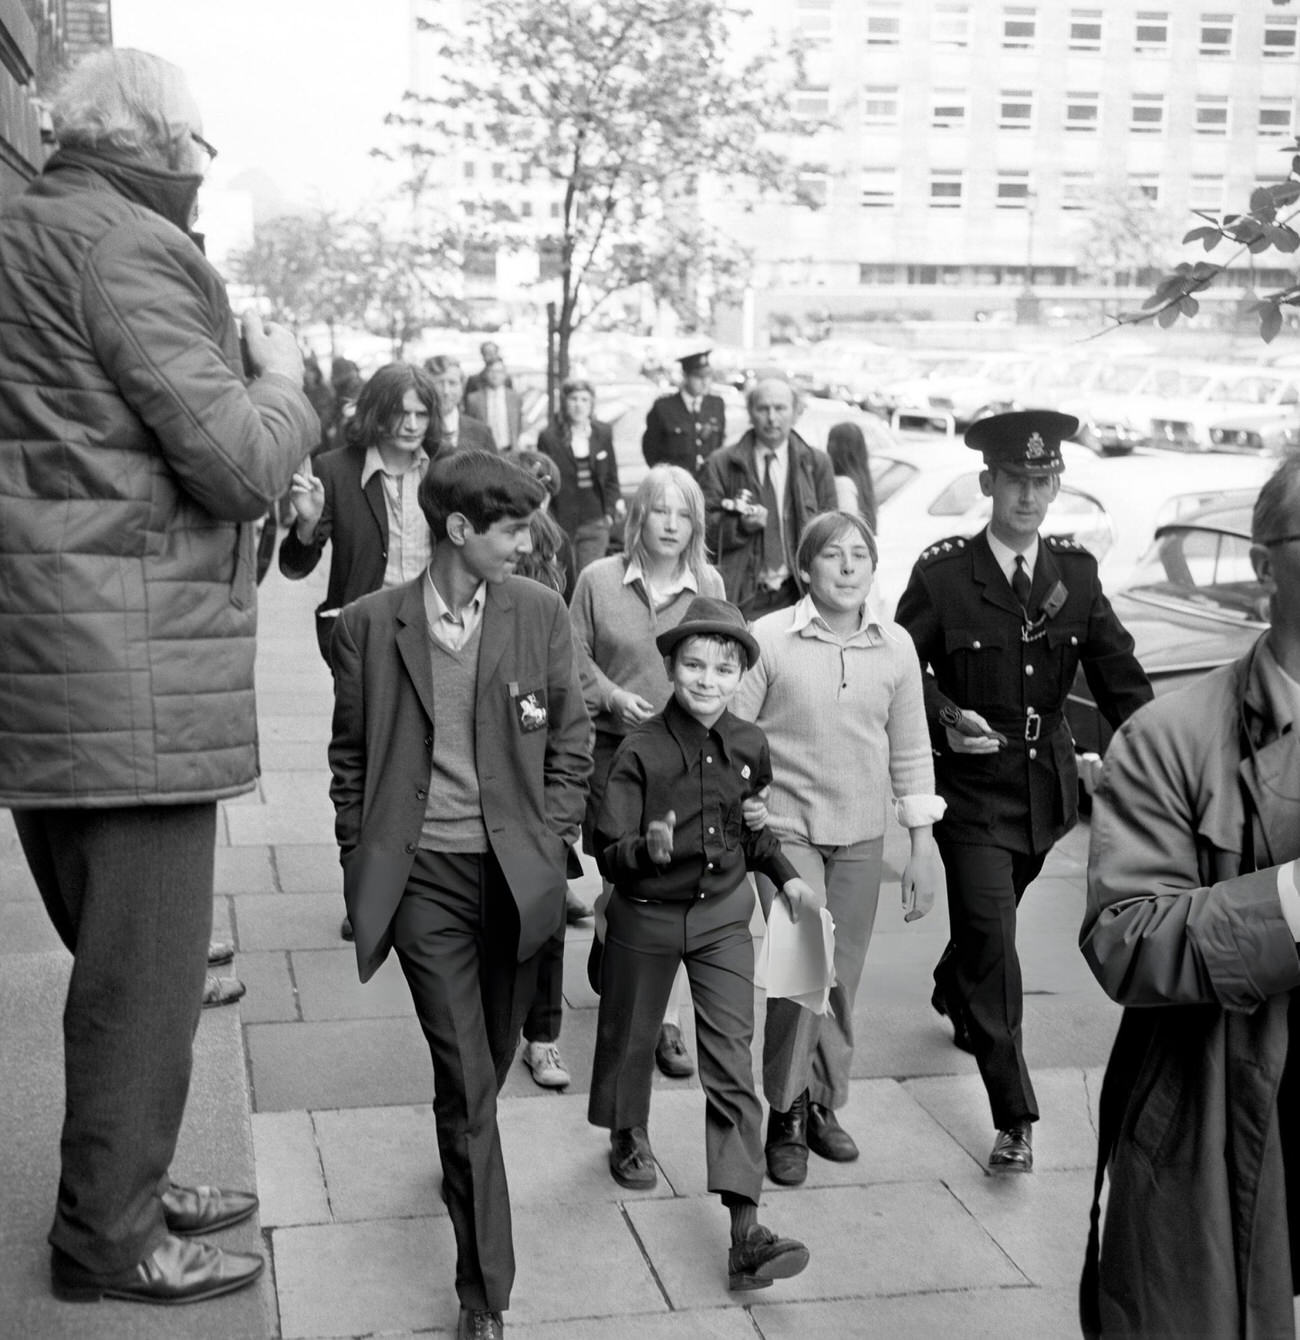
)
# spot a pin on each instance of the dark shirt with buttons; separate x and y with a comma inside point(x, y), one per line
point(702, 774)
point(1015, 667)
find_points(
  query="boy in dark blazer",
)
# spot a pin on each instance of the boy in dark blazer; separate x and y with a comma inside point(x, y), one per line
point(460, 763)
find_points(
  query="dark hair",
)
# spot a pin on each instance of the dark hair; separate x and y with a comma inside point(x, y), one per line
point(568, 388)
point(720, 640)
point(379, 406)
point(1275, 508)
point(847, 447)
point(545, 562)
point(828, 526)
point(541, 467)
point(482, 486)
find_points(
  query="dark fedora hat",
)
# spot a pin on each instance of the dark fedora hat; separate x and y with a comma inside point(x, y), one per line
point(707, 616)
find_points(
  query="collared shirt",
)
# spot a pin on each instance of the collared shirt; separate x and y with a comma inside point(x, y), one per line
point(702, 774)
point(682, 580)
point(692, 402)
point(1006, 557)
point(410, 546)
point(494, 399)
point(808, 622)
point(450, 629)
point(780, 474)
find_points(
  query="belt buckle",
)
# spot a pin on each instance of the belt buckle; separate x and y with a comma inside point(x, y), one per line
point(1033, 724)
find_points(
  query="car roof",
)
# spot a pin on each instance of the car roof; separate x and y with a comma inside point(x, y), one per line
point(1227, 516)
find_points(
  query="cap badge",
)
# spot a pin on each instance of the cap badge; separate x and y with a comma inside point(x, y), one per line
point(1035, 447)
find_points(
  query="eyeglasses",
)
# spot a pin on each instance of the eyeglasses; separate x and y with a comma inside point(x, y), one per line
point(204, 145)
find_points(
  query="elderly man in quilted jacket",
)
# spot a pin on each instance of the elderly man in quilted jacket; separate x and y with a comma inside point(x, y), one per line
point(135, 456)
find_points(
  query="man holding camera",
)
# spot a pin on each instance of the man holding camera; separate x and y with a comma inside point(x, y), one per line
point(759, 494)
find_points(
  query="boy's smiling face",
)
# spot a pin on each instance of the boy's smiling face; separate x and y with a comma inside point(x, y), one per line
point(705, 674)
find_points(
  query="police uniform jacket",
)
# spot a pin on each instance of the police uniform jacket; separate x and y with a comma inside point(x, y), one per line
point(985, 655)
point(675, 436)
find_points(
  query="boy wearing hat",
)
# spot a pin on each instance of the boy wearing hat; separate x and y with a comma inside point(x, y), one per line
point(1003, 620)
point(671, 839)
point(683, 428)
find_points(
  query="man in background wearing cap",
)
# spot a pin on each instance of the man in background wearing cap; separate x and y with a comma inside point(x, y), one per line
point(686, 427)
point(1003, 621)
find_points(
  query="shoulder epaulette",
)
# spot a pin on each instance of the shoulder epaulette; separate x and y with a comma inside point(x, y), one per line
point(953, 545)
point(1066, 544)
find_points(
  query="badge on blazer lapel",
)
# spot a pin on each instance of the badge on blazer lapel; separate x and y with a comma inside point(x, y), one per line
point(530, 709)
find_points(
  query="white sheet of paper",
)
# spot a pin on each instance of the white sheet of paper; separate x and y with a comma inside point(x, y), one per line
point(797, 958)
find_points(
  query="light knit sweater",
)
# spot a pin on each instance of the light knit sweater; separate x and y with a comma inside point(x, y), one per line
point(845, 722)
point(613, 620)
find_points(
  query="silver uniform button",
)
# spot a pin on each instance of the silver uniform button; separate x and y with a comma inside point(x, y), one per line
point(1029, 669)
point(975, 646)
point(1033, 753)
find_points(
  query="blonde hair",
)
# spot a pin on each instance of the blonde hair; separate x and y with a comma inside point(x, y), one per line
point(121, 99)
point(657, 482)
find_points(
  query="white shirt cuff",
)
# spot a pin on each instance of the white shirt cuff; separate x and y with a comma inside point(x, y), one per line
point(1289, 897)
point(917, 811)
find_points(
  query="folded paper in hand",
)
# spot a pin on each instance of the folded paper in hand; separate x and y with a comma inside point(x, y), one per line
point(797, 958)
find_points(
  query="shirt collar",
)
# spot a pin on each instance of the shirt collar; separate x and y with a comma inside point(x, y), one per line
point(691, 736)
point(683, 581)
point(1006, 556)
point(806, 617)
point(442, 610)
point(374, 464)
point(780, 454)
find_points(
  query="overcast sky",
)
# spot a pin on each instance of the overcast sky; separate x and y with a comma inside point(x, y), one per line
point(296, 88)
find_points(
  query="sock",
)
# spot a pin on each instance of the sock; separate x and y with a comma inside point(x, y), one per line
point(744, 1215)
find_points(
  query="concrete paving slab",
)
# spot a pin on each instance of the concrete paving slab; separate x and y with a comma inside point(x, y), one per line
point(328, 986)
point(380, 1163)
point(311, 729)
point(294, 756)
point(311, 867)
point(908, 1237)
point(577, 1044)
point(362, 1279)
point(305, 815)
point(271, 995)
point(244, 870)
point(289, 920)
point(698, 1324)
point(344, 1063)
point(981, 1314)
point(290, 1178)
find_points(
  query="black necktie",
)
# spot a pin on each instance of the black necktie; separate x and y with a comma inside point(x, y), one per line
point(773, 549)
point(1020, 583)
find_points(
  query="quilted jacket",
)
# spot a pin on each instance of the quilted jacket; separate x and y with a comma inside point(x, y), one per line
point(133, 462)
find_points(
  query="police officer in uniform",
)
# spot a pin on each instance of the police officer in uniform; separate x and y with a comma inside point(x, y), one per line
point(683, 428)
point(1003, 620)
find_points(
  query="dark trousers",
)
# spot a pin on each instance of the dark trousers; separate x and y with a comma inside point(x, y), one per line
point(979, 972)
point(644, 943)
point(130, 893)
point(546, 1011)
point(764, 600)
point(456, 932)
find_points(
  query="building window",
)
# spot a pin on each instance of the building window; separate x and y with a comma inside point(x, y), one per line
point(1013, 190)
point(814, 18)
point(1147, 116)
point(879, 105)
point(498, 171)
point(879, 188)
point(1085, 30)
point(814, 103)
point(1205, 192)
point(1211, 114)
point(878, 274)
point(467, 169)
point(813, 189)
point(945, 188)
point(555, 209)
point(1144, 186)
point(1216, 35)
point(1151, 32)
point(1076, 190)
point(526, 209)
point(948, 109)
point(1018, 25)
point(1082, 111)
point(883, 22)
point(1276, 116)
point(1016, 110)
point(1279, 36)
point(950, 25)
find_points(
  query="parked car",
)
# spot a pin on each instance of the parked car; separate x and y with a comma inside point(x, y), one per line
point(966, 386)
point(1193, 604)
point(1186, 421)
point(1268, 432)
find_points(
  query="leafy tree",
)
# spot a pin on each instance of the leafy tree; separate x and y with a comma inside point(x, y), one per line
point(1125, 237)
point(625, 106)
point(1264, 226)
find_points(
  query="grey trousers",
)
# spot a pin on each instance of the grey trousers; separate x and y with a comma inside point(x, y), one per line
point(803, 1050)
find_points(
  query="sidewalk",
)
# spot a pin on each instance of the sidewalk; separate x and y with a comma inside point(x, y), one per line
point(320, 1088)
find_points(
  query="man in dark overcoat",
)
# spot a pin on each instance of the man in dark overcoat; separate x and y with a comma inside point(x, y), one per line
point(686, 427)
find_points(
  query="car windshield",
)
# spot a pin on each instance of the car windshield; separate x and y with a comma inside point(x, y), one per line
point(1205, 568)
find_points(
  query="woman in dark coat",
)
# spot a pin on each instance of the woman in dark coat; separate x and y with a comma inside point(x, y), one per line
point(583, 449)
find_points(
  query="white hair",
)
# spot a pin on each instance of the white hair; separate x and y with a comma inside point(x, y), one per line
point(121, 99)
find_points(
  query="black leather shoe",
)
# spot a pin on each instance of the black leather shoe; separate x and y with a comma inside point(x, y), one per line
point(475, 1324)
point(762, 1258)
point(946, 1010)
point(671, 1055)
point(205, 1209)
point(345, 928)
point(1013, 1150)
point(176, 1271)
point(575, 912)
point(827, 1138)
point(786, 1146)
point(631, 1164)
